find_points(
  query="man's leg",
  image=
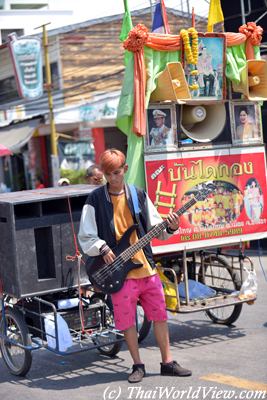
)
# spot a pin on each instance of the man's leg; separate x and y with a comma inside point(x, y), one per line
point(168, 366)
point(138, 371)
point(211, 84)
point(205, 79)
point(161, 332)
point(131, 338)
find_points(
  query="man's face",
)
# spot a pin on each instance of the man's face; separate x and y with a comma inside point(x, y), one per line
point(115, 178)
point(96, 178)
point(159, 121)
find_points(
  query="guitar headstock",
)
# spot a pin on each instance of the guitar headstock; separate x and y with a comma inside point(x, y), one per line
point(204, 190)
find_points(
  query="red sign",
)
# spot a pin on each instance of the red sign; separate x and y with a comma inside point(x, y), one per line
point(233, 212)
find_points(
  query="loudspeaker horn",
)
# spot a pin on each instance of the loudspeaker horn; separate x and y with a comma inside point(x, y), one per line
point(253, 80)
point(203, 123)
point(171, 84)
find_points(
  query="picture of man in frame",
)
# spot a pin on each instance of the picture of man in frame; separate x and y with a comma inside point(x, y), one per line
point(206, 71)
point(210, 67)
point(160, 134)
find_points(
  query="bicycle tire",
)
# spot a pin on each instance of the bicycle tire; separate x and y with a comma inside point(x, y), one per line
point(218, 315)
point(110, 350)
point(17, 330)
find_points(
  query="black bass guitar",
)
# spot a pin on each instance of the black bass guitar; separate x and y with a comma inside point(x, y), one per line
point(109, 278)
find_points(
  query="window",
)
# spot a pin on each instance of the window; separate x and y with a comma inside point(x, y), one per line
point(8, 87)
point(25, 6)
point(6, 32)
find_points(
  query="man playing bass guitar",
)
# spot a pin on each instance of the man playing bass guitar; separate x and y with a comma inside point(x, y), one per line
point(107, 215)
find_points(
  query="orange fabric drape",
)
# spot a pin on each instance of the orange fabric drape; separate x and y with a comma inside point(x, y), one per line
point(139, 119)
point(163, 42)
point(234, 39)
point(253, 35)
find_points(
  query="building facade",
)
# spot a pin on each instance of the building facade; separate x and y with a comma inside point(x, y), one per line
point(87, 67)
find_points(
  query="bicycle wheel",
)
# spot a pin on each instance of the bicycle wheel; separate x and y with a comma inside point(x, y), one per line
point(219, 275)
point(107, 348)
point(17, 359)
point(142, 324)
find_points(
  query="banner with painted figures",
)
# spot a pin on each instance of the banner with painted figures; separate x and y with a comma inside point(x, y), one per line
point(26, 56)
point(232, 211)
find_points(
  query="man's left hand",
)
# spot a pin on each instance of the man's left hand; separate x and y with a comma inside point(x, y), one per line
point(173, 221)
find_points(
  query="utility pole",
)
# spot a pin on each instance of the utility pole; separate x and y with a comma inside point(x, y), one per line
point(151, 11)
point(53, 133)
point(188, 12)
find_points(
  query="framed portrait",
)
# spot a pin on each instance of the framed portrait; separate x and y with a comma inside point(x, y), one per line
point(161, 128)
point(246, 123)
point(210, 77)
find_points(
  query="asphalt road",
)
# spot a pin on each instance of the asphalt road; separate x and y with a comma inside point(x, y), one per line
point(227, 363)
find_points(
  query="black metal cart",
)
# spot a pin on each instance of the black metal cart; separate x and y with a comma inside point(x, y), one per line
point(41, 300)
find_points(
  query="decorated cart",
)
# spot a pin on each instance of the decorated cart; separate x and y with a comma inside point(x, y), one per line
point(191, 108)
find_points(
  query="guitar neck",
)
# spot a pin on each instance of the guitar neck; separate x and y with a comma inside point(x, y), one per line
point(153, 233)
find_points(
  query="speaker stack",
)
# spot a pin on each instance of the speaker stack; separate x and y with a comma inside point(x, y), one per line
point(199, 121)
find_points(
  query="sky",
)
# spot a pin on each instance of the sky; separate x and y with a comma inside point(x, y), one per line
point(102, 8)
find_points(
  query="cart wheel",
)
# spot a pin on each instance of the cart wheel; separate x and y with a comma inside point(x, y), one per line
point(142, 324)
point(107, 349)
point(17, 359)
point(220, 274)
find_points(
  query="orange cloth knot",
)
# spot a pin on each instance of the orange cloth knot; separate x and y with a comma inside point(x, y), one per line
point(137, 38)
point(253, 32)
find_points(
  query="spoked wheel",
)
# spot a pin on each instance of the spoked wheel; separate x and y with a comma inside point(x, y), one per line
point(108, 349)
point(219, 275)
point(17, 359)
point(142, 324)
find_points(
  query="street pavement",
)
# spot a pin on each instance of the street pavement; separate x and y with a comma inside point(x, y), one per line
point(227, 363)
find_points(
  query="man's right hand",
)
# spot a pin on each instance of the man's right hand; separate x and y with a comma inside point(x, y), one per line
point(109, 257)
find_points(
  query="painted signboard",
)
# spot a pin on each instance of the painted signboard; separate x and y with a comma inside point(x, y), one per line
point(234, 211)
point(26, 56)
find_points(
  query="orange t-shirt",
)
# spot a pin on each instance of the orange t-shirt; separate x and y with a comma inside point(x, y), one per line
point(122, 221)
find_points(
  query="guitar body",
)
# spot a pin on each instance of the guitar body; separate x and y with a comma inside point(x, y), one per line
point(110, 278)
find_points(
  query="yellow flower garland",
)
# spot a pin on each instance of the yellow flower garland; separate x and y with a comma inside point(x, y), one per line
point(194, 86)
point(191, 51)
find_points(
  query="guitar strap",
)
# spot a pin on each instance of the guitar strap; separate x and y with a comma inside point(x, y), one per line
point(135, 202)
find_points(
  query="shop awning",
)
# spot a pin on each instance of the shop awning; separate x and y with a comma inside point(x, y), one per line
point(14, 137)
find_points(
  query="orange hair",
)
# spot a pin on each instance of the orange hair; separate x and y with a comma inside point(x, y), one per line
point(111, 159)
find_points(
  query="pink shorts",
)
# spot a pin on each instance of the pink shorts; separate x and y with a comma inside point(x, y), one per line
point(148, 291)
